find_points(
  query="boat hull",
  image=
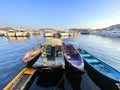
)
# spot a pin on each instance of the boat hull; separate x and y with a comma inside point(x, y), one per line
point(32, 61)
point(106, 77)
point(103, 82)
point(31, 56)
point(71, 68)
point(26, 60)
point(73, 59)
point(22, 81)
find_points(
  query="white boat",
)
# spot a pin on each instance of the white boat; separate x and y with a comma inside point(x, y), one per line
point(48, 33)
point(64, 33)
point(109, 33)
point(113, 33)
point(22, 33)
point(10, 33)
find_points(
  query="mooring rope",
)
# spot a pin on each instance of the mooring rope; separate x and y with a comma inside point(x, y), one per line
point(59, 82)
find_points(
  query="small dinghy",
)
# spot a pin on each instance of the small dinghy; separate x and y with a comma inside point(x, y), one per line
point(32, 54)
point(22, 81)
point(106, 77)
point(73, 59)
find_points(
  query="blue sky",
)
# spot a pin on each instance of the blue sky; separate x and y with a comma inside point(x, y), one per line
point(59, 14)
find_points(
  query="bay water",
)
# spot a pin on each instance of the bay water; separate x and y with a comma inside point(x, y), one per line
point(12, 50)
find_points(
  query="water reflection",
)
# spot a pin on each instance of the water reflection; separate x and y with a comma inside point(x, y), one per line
point(49, 81)
point(22, 39)
point(37, 36)
point(62, 37)
point(56, 80)
point(74, 79)
point(11, 38)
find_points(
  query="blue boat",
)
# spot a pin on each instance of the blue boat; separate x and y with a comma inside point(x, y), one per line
point(106, 77)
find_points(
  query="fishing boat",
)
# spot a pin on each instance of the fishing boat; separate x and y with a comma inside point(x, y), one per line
point(22, 33)
point(48, 33)
point(22, 81)
point(106, 77)
point(73, 59)
point(52, 56)
point(31, 56)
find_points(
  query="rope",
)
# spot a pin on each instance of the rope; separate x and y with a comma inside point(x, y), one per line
point(59, 82)
point(61, 79)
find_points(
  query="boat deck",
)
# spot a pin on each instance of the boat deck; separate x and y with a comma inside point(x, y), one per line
point(20, 82)
point(50, 58)
point(43, 62)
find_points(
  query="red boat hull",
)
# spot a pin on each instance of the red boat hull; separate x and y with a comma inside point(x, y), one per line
point(26, 60)
point(30, 58)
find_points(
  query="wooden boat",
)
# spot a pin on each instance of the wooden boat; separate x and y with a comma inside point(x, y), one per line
point(22, 81)
point(33, 54)
point(106, 77)
point(73, 59)
point(52, 56)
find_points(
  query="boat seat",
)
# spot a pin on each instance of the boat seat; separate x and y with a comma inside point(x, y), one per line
point(92, 61)
point(95, 63)
point(90, 57)
point(85, 55)
point(83, 52)
point(68, 57)
point(18, 85)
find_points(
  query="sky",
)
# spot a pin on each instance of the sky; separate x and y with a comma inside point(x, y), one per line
point(59, 14)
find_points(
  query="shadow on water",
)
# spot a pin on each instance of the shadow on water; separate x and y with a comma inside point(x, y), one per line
point(56, 80)
point(74, 79)
point(48, 80)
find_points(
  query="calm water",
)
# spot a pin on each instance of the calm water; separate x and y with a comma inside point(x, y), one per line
point(11, 53)
point(105, 48)
point(13, 49)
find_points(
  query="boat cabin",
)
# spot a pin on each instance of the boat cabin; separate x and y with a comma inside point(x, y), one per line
point(52, 55)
